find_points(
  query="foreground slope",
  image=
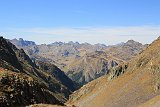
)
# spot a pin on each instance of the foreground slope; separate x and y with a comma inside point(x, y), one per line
point(17, 89)
point(24, 82)
point(139, 84)
point(154, 102)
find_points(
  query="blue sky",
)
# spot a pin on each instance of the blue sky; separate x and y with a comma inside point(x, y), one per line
point(93, 21)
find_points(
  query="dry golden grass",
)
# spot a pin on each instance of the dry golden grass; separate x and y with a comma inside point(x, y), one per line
point(137, 86)
point(154, 102)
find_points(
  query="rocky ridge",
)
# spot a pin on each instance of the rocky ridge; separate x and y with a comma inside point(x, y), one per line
point(30, 81)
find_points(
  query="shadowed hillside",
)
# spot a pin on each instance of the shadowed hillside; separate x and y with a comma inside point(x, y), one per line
point(24, 82)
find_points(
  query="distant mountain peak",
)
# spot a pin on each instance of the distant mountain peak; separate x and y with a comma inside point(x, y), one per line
point(158, 37)
point(131, 41)
point(73, 43)
point(21, 39)
point(20, 42)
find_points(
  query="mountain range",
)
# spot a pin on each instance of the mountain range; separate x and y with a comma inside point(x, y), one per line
point(126, 75)
point(81, 62)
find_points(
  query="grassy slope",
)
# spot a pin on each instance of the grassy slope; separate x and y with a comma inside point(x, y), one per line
point(139, 84)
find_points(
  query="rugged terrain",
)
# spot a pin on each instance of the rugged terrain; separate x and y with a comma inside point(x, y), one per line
point(82, 62)
point(132, 84)
point(131, 81)
point(24, 81)
point(125, 51)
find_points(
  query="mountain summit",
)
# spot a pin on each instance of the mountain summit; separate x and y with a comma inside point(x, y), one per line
point(21, 42)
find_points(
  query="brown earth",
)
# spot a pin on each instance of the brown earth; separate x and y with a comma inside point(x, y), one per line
point(138, 86)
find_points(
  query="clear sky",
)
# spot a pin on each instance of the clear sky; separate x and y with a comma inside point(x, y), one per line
point(93, 21)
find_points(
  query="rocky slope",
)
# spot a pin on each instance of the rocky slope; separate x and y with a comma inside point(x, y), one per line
point(19, 89)
point(125, 51)
point(25, 82)
point(91, 66)
point(84, 62)
point(136, 83)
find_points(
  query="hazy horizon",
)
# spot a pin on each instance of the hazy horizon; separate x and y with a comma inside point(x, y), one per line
point(80, 42)
point(99, 21)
